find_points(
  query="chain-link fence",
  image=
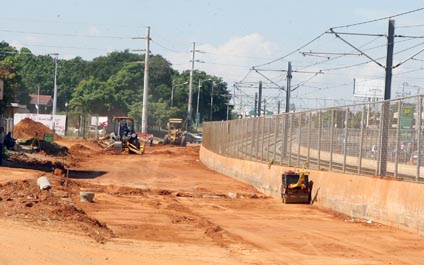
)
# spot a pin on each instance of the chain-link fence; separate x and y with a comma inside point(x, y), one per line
point(380, 138)
point(91, 126)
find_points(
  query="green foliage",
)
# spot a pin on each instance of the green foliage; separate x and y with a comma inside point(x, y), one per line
point(93, 96)
point(112, 85)
point(103, 67)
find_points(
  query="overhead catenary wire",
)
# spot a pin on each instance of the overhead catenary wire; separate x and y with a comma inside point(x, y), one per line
point(380, 19)
point(66, 34)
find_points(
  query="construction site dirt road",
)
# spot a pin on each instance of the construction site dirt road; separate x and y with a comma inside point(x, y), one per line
point(166, 207)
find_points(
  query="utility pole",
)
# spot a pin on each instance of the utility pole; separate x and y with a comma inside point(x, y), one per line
point(386, 105)
point(264, 113)
point(354, 86)
point(54, 89)
point(278, 107)
point(190, 87)
point(260, 98)
point(146, 84)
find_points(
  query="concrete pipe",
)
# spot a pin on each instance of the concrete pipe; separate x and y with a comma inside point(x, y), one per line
point(86, 196)
point(44, 183)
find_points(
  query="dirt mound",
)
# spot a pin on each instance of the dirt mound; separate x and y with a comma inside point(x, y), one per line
point(80, 150)
point(23, 200)
point(26, 129)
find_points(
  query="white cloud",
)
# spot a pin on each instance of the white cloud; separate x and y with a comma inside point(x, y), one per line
point(93, 30)
point(230, 60)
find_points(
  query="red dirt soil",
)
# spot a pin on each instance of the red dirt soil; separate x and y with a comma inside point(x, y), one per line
point(26, 129)
point(166, 207)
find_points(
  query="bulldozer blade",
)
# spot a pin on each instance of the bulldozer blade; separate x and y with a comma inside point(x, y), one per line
point(134, 149)
point(295, 198)
point(108, 147)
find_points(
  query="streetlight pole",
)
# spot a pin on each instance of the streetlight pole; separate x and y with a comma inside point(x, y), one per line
point(197, 107)
point(173, 87)
point(66, 120)
point(172, 95)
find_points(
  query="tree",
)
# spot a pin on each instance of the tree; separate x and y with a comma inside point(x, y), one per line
point(6, 50)
point(103, 67)
point(71, 73)
point(11, 84)
point(93, 96)
point(10, 60)
point(128, 84)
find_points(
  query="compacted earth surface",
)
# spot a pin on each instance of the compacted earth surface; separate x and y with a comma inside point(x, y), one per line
point(166, 207)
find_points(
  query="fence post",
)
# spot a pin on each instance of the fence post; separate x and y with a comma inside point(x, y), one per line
point(284, 137)
point(345, 139)
point(262, 118)
point(291, 139)
point(221, 136)
point(298, 140)
point(241, 139)
point(361, 143)
point(309, 137)
point(269, 136)
point(380, 137)
point(276, 125)
point(319, 140)
point(252, 140)
point(330, 165)
point(419, 119)
point(397, 140)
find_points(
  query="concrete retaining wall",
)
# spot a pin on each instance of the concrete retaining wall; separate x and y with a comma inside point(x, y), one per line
point(391, 202)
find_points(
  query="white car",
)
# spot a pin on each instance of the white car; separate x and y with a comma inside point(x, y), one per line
point(198, 138)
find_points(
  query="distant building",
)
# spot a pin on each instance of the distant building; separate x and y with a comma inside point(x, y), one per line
point(44, 104)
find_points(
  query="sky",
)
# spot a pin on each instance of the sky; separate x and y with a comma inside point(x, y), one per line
point(233, 36)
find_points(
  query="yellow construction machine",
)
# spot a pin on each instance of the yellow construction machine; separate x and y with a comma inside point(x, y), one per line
point(295, 187)
point(124, 137)
point(176, 134)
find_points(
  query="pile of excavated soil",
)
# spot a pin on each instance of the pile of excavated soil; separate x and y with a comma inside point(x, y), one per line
point(23, 200)
point(26, 129)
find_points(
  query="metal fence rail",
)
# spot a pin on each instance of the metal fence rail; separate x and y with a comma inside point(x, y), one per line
point(346, 139)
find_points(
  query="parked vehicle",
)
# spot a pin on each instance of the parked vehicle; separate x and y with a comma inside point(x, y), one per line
point(198, 138)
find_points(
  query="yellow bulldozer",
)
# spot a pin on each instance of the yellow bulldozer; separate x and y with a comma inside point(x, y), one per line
point(176, 134)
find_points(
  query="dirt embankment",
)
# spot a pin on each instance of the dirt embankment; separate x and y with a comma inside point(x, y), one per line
point(57, 207)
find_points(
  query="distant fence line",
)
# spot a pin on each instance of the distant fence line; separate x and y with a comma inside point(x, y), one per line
point(346, 139)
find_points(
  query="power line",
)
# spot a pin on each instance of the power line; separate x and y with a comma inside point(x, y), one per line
point(166, 48)
point(292, 52)
point(379, 19)
point(410, 26)
point(65, 34)
point(237, 56)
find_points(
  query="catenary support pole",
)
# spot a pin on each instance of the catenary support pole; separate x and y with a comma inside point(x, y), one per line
point(386, 107)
